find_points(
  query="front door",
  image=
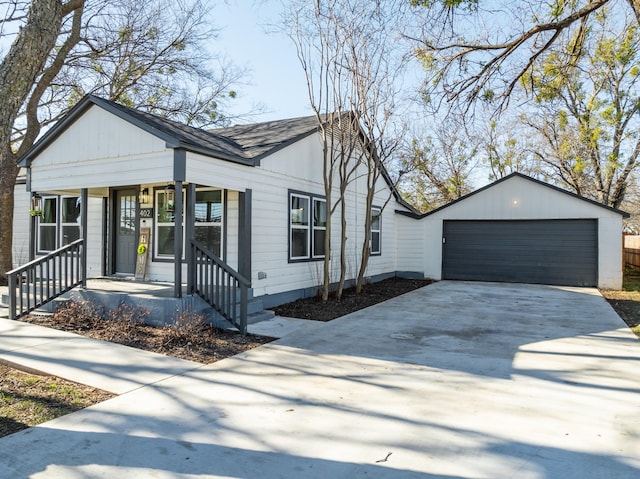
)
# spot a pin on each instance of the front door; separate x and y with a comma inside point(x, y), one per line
point(125, 231)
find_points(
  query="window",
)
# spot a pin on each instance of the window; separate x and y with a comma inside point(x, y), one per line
point(374, 241)
point(319, 226)
point(207, 222)
point(165, 226)
point(59, 224)
point(307, 226)
point(208, 219)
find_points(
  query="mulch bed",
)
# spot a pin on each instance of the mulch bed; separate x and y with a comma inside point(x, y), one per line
point(373, 293)
point(200, 343)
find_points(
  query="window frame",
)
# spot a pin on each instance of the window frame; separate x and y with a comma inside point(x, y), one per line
point(377, 231)
point(58, 225)
point(310, 228)
point(213, 224)
point(165, 258)
point(157, 257)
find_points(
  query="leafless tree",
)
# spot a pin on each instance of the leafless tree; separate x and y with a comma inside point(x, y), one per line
point(145, 54)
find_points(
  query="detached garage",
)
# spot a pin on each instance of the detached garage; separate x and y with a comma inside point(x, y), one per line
point(522, 230)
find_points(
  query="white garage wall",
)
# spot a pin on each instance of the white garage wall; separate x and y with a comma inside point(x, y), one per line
point(521, 198)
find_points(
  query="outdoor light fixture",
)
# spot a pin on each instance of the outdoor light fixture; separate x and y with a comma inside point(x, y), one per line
point(144, 196)
point(169, 197)
point(36, 205)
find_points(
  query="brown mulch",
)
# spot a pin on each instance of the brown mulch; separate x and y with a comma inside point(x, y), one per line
point(199, 342)
point(373, 293)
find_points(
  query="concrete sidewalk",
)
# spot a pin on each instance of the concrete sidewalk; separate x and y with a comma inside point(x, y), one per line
point(100, 364)
point(456, 380)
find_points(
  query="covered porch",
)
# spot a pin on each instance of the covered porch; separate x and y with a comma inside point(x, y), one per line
point(187, 239)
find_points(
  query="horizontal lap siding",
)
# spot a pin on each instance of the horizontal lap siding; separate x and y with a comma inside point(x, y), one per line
point(297, 167)
point(563, 252)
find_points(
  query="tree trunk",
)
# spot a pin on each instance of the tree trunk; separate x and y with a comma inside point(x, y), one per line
point(8, 174)
point(635, 5)
point(19, 70)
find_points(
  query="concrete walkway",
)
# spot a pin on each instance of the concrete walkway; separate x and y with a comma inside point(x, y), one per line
point(456, 380)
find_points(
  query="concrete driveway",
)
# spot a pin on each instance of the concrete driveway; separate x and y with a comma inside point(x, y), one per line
point(456, 380)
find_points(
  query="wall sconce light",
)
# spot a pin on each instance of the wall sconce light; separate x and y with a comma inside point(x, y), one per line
point(36, 205)
point(169, 197)
point(144, 196)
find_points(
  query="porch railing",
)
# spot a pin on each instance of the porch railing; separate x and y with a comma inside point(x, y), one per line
point(42, 280)
point(223, 288)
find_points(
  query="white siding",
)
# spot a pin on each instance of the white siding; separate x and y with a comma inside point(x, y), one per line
point(21, 224)
point(519, 198)
point(21, 220)
point(297, 167)
point(101, 150)
point(410, 244)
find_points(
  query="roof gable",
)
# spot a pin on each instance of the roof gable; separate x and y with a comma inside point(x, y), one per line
point(624, 214)
point(245, 144)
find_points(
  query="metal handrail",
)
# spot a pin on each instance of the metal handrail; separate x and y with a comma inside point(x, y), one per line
point(40, 281)
point(219, 285)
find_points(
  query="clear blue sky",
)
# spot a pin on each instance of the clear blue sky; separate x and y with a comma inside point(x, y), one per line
point(277, 81)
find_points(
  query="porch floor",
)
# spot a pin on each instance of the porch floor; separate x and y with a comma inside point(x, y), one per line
point(129, 285)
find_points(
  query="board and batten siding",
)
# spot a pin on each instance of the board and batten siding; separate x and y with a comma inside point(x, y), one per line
point(297, 167)
point(101, 150)
point(519, 198)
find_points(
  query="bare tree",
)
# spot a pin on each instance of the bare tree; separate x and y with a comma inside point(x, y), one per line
point(438, 167)
point(318, 33)
point(349, 50)
point(42, 25)
point(143, 53)
point(504, 148)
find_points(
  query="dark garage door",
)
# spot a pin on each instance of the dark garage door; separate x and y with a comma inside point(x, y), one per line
point(561, 252)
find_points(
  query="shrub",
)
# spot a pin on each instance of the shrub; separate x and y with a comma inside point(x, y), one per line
point(79, 315)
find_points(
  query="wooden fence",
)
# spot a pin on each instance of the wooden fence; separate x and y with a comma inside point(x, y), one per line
point(632, 250)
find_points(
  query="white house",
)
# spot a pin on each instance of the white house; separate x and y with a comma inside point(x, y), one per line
point(254, 196)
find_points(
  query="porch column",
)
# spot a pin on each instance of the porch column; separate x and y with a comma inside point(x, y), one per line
point(84, 206)
point(177, 238)
point(244, 234)
point(179, 175)
point(189, 234)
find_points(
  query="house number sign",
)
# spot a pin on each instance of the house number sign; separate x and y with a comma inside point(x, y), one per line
point(141, 259)
point(146, 212)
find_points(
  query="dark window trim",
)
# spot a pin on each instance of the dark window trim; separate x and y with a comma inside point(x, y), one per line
point(311, 197)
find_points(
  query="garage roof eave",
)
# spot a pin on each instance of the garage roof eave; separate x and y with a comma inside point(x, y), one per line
point(622, 213)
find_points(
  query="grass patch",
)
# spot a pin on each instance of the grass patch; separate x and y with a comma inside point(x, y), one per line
point(627, 301)
point(27, 399)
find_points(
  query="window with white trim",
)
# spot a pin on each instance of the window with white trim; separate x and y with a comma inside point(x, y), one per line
point(319, 226)
point(307, 226)
point(374, 239)
point(59, 223)
point(165, 226)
